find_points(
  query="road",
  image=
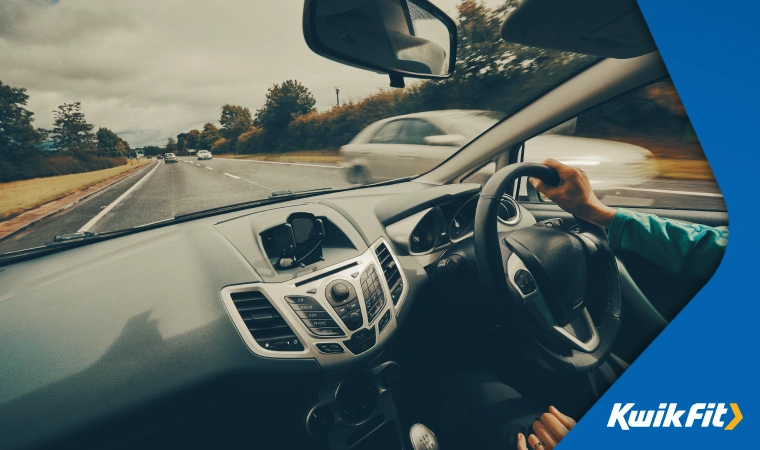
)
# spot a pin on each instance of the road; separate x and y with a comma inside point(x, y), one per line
point(162, 191)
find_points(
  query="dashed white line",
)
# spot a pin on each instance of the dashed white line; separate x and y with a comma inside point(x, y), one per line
point(232, 176)
point(209, 168)
point(198, 165)
point(108, 208)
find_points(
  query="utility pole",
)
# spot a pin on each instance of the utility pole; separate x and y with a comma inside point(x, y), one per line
point(337, 97)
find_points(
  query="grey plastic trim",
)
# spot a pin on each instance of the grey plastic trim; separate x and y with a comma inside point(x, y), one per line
point(276, 292)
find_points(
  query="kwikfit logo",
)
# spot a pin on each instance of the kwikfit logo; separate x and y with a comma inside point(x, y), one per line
point(668, 415)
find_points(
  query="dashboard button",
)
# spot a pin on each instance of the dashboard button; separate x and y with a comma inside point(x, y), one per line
point(360, 336)
point(384, 321)
point(354, 320)
point(353, 306)
point(320, 323)
point(327, 331)
point(341, 310)
point(313, 315)
point(363, 346)
point(330, 347)
point(301, 300)
point(306, 307)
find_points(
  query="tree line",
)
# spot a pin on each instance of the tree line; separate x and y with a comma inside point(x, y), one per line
point(75, 148)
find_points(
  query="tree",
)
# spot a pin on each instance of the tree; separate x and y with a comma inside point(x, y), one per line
point(284, 102)
point(235, 121)
point(193, 139)
point(17, 135)
point(110, 144)
point(151, 150)
point(171, 146)
point(70, 129)
point(209, 135)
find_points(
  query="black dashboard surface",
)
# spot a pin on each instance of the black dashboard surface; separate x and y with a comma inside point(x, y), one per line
point(95, 331)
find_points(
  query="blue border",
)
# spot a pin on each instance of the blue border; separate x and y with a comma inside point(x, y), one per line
point(709, 352)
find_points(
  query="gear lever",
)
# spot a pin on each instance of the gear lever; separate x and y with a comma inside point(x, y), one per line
point(422, 438)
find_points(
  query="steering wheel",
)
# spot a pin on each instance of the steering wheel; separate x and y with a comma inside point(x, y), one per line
point(558, 291)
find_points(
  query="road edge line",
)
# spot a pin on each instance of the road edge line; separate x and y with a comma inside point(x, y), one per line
point(108, 208)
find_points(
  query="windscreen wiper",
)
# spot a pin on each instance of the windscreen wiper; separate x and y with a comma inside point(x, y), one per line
point(288, 193)
point(68, 238)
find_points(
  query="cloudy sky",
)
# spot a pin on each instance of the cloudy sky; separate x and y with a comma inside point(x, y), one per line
point(150, 69)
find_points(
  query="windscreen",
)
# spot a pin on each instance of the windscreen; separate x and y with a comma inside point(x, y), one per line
point(103, 94)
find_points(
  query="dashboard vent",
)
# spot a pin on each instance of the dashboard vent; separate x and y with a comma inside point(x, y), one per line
point(264, 323)
point(390, 272)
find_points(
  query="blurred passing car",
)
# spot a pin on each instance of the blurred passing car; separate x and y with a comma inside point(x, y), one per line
point(170, 158)
point(204, 154)
point(412, 144)
point(159, 157)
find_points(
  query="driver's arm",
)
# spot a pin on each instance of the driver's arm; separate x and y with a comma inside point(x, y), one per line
point(680, 247)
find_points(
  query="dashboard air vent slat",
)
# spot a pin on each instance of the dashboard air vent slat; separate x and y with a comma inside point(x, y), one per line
point(264, 323)
point(390, 271)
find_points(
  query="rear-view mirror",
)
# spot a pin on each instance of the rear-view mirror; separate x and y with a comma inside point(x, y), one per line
point(403, 38)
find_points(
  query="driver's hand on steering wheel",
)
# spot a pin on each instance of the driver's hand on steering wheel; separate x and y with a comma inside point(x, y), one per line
point(549, 430)
point(574, 194)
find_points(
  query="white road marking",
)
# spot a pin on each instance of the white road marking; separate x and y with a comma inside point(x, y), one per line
point(260, 185)
point(285, 163)
point(209, 168)
point(198, 165)
point(232, 176)
point(108, 208)
point(665, 191)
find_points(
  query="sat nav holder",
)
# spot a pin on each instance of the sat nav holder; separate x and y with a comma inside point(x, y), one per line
point(306, 233)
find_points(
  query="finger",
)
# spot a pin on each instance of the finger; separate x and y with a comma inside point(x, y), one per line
point(533, 440)
point(556, 165)
point(544, 435)
point(538, 184)
point(554, 426)
point(567, 421)
point(521, 445)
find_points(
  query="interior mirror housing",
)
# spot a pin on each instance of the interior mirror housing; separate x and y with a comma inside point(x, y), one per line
point(403, 38)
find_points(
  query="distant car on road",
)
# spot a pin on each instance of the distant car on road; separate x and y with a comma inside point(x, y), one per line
point(204, 154)
point(170, 158)
point(416, 143)
point(160, 157)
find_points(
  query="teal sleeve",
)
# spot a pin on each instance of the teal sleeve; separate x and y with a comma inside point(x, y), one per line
point(684, 248)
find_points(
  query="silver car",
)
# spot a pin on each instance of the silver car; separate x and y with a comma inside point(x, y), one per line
point(412, 144)
point(416, 143)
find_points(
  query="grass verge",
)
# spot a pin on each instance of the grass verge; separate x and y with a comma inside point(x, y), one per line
point(19, 196)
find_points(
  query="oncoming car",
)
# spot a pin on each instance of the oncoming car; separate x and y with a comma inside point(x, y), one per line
point(204, 154)
point(170, 158)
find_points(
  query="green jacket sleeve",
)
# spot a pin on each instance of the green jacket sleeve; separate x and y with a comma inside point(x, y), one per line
point(684, 248)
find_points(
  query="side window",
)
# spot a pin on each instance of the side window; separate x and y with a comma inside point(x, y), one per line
point(416, 130)
point(638, 150)
point(387, 133)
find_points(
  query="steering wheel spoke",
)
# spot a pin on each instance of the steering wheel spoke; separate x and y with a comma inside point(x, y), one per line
point(580, 333)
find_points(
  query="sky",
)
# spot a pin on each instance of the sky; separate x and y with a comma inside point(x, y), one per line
point(150, 69)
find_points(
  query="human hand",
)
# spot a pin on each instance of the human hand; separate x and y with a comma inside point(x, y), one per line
point(575, 195)
point(549, 430)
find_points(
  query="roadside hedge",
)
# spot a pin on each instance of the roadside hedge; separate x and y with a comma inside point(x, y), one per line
point(42, 165)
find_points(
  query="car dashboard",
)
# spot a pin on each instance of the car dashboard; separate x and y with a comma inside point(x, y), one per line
point(98, 332)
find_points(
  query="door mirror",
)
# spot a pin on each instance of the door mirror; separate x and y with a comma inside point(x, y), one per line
point(403, 38)
point(453, 140)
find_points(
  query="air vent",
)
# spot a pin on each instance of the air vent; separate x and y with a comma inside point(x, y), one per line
point(509, 211)
point(264, 323)
point(391, 272)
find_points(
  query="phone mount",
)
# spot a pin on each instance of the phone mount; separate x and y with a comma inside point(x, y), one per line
point(305, 234)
